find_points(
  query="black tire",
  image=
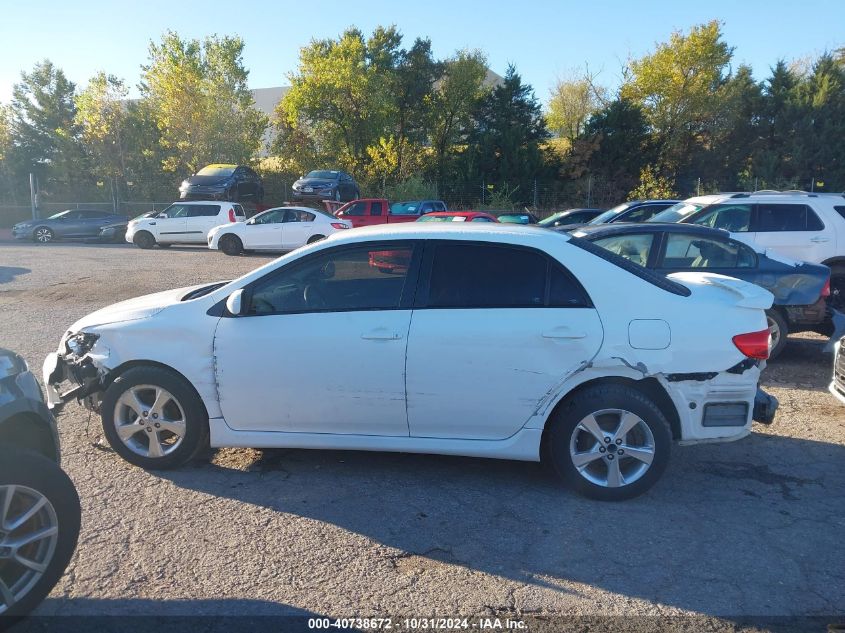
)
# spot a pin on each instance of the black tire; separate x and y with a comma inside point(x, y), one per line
point(315, 238)
point(778, 331)
point(144, 239)
point(43, 234)
point(21, 468)
point(231, 244)
point(592, 400)
point(837, 287)
point(195, 437)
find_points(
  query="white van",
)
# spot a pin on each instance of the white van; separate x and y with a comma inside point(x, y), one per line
point(183, 223)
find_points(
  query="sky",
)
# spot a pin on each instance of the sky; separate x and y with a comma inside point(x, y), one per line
point(545, 40)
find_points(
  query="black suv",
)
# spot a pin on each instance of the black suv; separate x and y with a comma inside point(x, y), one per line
point(39, 507)
point(223, 182)
point(326, 184)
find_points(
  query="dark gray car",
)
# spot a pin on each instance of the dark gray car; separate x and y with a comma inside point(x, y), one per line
point(326, 184)
point(39, 506)
point(70, 224)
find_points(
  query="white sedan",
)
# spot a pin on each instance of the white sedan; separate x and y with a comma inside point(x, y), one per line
point(278, 229)
point(431, 338)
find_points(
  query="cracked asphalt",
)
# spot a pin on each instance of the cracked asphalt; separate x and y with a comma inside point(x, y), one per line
point(751, 528)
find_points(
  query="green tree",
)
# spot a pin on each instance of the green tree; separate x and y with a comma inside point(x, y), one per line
point(509, 130)
point(197, 93)
point(343, 95)
point(43, 127)
point(679, 88)
point(101, 115)
point(572, 103)
point(456, 97)
point(653, 186)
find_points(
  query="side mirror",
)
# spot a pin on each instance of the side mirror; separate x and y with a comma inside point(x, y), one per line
point(234, 303)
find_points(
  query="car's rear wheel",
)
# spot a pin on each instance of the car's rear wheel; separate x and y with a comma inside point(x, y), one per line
point(153, 418)
point(609, 442)
point(144, 239)
point(39, 528)
point(231, 244)
point(315, 238)
point(778, 331)
point(43, 234)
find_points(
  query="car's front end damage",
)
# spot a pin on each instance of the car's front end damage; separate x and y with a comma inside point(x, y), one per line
point(77, 372)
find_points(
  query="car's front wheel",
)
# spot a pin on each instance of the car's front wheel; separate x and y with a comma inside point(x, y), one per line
point(39, 527)
point(231, 244)
point(43, 234)
point(609, 442)
point(144, 239)
point(153, 418)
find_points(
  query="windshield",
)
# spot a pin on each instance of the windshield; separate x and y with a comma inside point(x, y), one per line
point(443, 218)
point(515, 219)
point(549, 221)
point(602, 218)
point(676, 212)
point(322, 173)
point(216, 170)
point(405, 208)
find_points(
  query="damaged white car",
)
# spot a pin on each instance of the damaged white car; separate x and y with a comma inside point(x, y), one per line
point(487, 341)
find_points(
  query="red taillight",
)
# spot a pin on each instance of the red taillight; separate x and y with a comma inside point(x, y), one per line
point(753, 344)
point(826, 288)
point(231, 215)
point(338, 225)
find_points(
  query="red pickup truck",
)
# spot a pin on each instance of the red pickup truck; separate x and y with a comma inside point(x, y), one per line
point(370, 211)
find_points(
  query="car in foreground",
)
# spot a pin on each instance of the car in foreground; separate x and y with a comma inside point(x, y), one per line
point(800, 289)
point(457, 216)
point(516, 218)
point(223, 182)
point(326, 184)
point(569, 217)
point(39, 506)
point(277, 229)
point(517, 344)
point(804, 226)
point(182, 223)
point(69, 224)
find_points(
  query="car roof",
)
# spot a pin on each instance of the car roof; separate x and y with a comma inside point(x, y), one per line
point(482, 231)
point(308, 209)
point(193, 202)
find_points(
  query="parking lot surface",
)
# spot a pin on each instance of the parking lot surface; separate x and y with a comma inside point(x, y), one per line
point(748, 528)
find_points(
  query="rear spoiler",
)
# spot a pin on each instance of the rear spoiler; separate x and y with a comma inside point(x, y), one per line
point(748, 295)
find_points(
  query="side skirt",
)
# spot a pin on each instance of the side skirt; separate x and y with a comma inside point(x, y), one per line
point(523, 445)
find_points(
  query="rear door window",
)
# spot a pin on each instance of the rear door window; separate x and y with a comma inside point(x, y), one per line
point(787, 217)
point(377, 208)
point(701, 252)
point(494, 276)
point(355, 209)
point(203, 210)
point(735, 218)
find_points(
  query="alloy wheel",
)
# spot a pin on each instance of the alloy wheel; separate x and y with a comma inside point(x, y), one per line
point(612, 448)
point(774, 332)
point(44, 235)
point(150, 421)
point(29, 532)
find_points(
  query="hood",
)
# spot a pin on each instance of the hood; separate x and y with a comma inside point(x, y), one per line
point(206, 181)
point(134, 309)
point(315, 182)
point(725, 289)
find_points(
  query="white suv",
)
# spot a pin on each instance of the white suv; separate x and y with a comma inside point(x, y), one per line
point(803, 226)
point(183, 223)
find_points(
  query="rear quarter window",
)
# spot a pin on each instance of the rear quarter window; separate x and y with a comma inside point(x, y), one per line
point(773, 218)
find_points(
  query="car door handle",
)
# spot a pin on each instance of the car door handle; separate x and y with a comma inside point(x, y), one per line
point(381, 334)
point(817, 240)
point(564, 332)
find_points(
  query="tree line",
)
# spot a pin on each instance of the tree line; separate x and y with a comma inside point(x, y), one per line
point(407, 124)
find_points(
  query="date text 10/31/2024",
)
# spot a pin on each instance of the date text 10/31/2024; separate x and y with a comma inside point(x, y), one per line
point(418, 624)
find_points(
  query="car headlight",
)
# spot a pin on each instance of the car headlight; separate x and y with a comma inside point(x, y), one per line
point(81, 343)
